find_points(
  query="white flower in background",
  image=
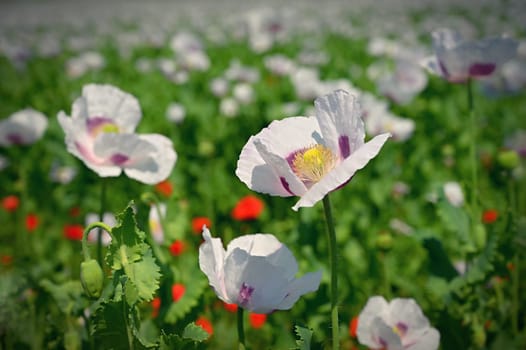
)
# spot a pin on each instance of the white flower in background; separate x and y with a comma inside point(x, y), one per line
point(402, 85)
point(457, 60)
point(100, 132)
point(306, 83)
point(83, 63)
point(229, 107)
point(309, 157)
point(185, 41)
point(397, 325)
point(144, 65)
point(243, 93)
point(238, 72)
point(453, 193)
point(219, 87)
point(256, 272)
point(279, 64)
point(194, 60)
point(107, 218)
point(154, 222)
point(379, 120)
point(175, 112)
point(62, 174)
point(24, 127)
point(509, 79)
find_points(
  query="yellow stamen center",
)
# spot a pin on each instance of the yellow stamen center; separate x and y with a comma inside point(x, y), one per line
point(311, 164)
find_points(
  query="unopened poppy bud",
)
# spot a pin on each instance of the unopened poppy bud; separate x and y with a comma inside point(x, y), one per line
point(508, 159)
point(92, 278)
point(480, 236)
point(384, 241)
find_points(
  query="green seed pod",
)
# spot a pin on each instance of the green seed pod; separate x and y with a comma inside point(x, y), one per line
point(508, 159)
point(480, 236)
point(92, 278)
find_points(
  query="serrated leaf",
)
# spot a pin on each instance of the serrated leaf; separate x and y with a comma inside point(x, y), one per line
point(305, 336)
point(174, 341)
point(195, 333)
point(128, 253)
point(193, 291)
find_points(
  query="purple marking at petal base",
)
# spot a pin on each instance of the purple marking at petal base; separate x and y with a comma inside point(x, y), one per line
point(245, 293)
point(481, 69)
point(119, 159)
point(443, 68)
point(402, 328)
point(345, 148)
point(95, 122)
point(285, 185)
point(15, 139)
point(382, 342)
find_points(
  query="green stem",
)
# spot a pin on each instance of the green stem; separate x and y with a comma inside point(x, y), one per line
point(240, 328)
point(474, 162)
point(334, 272)
point(127, 323)
point(515, 295)
point(88, 331)
point(85, 250)
point(101, 218)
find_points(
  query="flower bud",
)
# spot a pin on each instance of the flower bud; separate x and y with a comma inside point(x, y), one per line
point(480, 236)
point(508, 159)
point(92, 278)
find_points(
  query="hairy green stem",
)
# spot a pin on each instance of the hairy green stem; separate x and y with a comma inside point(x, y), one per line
point(473, 160)
point(85, 249)
point(240, 328)
point(333, 261)
point(101, 218)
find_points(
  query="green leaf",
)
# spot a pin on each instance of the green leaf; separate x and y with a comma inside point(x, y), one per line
point(305, 336)
point(68, 295)
point(195, 333)
point(439, 263)
point(456, 220)
point(130, 254)
point(174, 341)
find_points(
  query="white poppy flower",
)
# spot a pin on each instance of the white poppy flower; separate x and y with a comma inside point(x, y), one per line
point(397, 325)
point(453, 193)
point(100, 133)
point(309, 156)
point(256, 272)
point(154, 221)
point(457, 59)
point(22, 128)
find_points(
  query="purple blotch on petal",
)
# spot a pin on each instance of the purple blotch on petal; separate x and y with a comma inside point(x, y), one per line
point(119, 159)
point(345, 148)
point(245, 293)
point(285, 185)
point(94, 122)
point(402, 328)
point(15, 139)
point(481, 69)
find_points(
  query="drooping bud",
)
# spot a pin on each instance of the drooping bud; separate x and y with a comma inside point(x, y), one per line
point(92, 278)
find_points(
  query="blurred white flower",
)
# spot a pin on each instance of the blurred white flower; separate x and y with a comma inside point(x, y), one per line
point(175, 112)
point(154, 222)
point(243, 93)
point(279, 64)
point(229, 107)
point(100, 132)
point(256, 272)
point(24, 127)
point(219, 87)
point(397, 325)
point(83, 63)
point(62, 174)
point(402, 85)
point(453, 193)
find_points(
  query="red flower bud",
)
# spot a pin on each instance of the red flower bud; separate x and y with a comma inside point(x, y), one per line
point(10, 203)
point(178, 291)
point(490, 216)
point(177, 248)
point(198, 222)
point(257, 320)
point(204, 323)
point(165, 188)
point(248, 208)
point(73, 232)
point(31, 222)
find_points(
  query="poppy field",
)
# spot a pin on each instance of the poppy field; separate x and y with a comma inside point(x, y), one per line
point(233, 175)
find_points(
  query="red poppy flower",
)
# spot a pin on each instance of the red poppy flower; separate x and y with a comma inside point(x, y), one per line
point(156, 305)
point(177, 248)
point(6, 259)
point(165, 188)
point(353, 326)
point(10, 203)
point(230, 307)
point(32, 222)
point(204, 323)
point(178, 291)
point(248, 208)
point(73, 232)
point(198, 222)
point(257, 320)
point(490, 216)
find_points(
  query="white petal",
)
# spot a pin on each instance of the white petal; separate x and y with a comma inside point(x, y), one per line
point(339, 115)
point(384, 335)
point(164, 156)
point(343, 172)
point(211, 262)
point(268, 246)
point(376, 306)
point(407, 312)
point(27, 124)
point(111, 102)
point(429, 340)
point(306, 284)
point(263, 167)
